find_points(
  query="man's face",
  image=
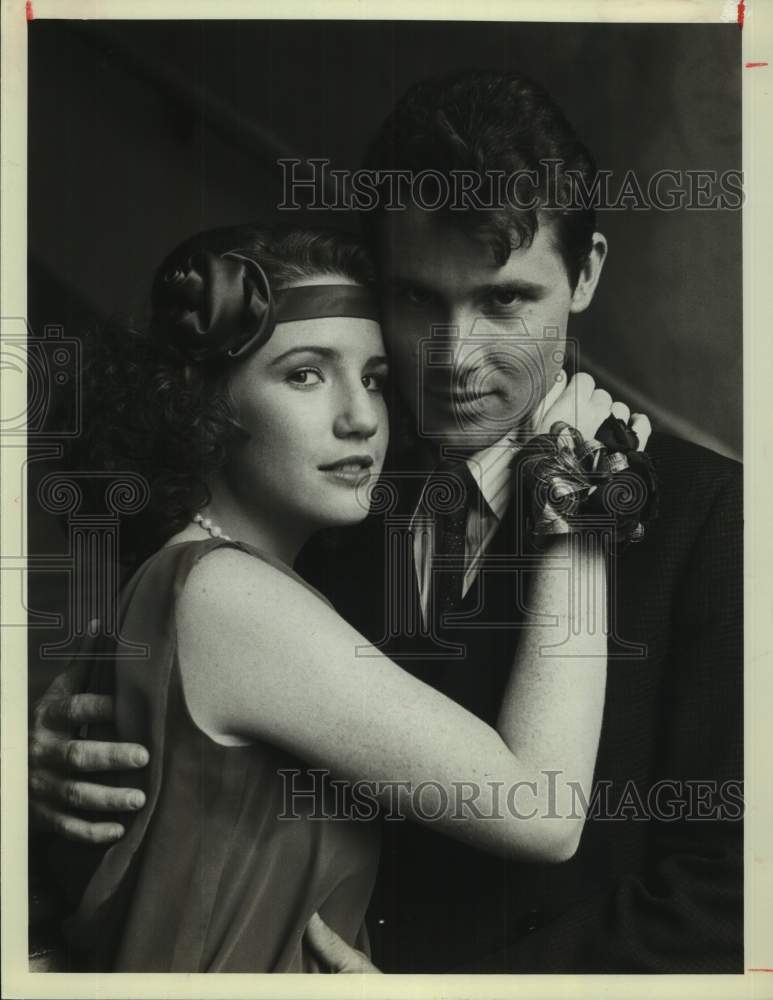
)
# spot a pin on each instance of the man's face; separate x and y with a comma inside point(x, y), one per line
point(475, 347)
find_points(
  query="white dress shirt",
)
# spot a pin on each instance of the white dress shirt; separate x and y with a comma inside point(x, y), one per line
point(490, 469)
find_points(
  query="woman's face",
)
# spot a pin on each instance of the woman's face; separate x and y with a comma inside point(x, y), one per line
point(312, 402)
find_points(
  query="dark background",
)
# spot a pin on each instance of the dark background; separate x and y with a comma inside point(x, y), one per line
point(141, 133)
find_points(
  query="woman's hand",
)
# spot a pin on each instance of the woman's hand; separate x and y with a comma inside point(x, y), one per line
point(57, 763)
point(333, 951)
point(585, 407)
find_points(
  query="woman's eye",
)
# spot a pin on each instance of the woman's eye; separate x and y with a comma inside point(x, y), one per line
point(374, 382)
point(305, 377)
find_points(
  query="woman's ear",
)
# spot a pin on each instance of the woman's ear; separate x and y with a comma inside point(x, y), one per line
point(589, 275)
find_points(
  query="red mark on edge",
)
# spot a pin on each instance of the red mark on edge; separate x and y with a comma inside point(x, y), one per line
point(755, 65)
point(29, 10)
point(741, 12)
point(759, 970)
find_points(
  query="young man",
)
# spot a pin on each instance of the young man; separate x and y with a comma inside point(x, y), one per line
point(477, 300)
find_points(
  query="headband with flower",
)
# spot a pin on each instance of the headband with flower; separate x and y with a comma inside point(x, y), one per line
point(222, 306)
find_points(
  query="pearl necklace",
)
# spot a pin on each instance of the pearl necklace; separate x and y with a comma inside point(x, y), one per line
point(209, 526)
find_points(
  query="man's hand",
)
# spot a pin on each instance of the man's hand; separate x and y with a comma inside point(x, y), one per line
point(333, 951)
point(581, 405)
point(57, 762)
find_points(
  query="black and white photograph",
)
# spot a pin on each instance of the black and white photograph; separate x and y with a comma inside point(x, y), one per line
point(380, 579)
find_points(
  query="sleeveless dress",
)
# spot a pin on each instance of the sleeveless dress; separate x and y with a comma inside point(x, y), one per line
point(208, 877)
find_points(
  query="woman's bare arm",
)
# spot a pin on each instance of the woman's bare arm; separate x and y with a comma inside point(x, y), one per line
point(263, 657)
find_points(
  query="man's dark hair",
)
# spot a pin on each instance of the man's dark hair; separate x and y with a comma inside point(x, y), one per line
point(484, 121)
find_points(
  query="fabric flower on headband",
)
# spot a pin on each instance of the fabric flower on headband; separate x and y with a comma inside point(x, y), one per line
point(222, 306)
point(214, 306)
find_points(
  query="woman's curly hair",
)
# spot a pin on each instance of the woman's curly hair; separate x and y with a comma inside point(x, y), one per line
point(149, 410)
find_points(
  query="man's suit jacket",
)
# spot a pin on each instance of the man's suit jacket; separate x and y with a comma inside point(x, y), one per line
point(657, 881)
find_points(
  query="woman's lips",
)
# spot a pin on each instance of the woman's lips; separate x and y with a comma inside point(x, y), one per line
point(350, 471)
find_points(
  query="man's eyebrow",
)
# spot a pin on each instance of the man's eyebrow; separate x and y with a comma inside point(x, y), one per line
point(406, 281)
point(520, 286)
point(377, 359)
point(322, 352)
point(517, 285)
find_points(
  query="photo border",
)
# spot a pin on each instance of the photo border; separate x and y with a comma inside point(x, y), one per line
point(757, 49)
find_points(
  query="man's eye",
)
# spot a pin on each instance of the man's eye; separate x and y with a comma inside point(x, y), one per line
point(305, 377)
point(503, 297)
point(415, 296)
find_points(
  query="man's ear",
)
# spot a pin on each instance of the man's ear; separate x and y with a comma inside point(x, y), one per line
point(589, 275)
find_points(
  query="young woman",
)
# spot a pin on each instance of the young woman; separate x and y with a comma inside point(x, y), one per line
point(254, 407)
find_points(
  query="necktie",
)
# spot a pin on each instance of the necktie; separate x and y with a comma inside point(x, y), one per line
point(447, 498)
